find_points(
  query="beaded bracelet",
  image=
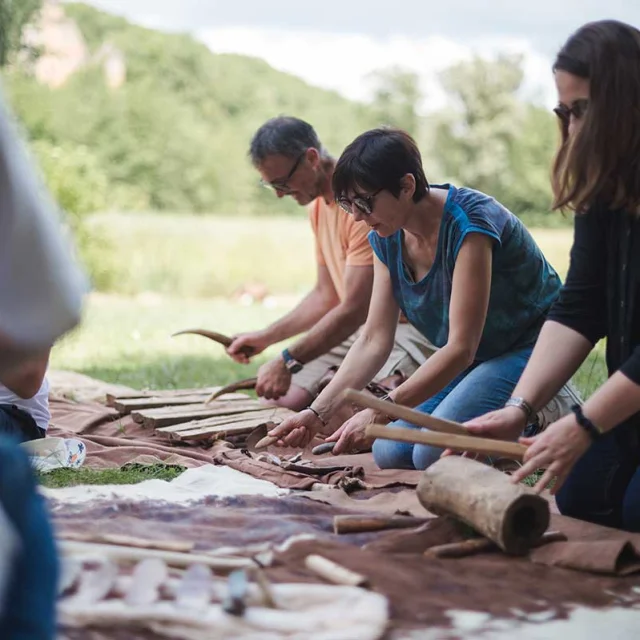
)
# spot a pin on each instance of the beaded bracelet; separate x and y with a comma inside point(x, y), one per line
point(585, 423)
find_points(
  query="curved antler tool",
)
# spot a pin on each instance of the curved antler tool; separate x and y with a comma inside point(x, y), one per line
point(220, 338)
point(247, 383)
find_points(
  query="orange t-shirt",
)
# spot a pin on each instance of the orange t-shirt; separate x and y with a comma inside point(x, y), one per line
point(340, 241)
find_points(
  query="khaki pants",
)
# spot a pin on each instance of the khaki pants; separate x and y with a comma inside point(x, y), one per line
point(410, 350)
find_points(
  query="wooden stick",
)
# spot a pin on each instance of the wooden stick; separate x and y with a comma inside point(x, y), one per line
point(334, 572)
point(132, 554)
point(478, 545)
point(361, 524)
point(247, 383)
point(127, 541)
point(469, 443)
point(399, 412)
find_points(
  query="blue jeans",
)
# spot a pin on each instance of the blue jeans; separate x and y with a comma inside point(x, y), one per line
point(483, 387)
point(604, 485)
point(28, 612)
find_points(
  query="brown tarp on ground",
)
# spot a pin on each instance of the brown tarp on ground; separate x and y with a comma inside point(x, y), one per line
point(420, 590)
point(113, 440)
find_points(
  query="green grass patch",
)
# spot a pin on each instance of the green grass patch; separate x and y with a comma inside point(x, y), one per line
point(128, 474)
point(186, 255)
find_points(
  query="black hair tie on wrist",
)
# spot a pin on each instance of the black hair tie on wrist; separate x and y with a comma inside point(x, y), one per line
point(585, 423)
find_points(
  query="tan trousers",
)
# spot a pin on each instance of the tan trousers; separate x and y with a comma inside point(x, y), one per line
point(410, 350)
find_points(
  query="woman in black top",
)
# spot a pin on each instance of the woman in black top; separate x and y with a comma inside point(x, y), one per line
point(593, 454)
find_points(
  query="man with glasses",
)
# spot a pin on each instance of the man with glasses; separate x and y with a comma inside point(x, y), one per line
point(292, 162)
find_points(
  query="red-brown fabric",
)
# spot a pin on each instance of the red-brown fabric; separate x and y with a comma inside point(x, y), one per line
point(356, 471)
point(113, 441)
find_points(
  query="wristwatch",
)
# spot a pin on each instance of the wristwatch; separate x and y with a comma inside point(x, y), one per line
point(290, 362)
point(523, 405)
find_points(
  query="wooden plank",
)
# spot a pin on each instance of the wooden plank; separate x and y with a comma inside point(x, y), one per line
point(278, 414)
point(223, 430)
point(126, 406)
point(212, 422)
point(111, 398)
point(165, 416)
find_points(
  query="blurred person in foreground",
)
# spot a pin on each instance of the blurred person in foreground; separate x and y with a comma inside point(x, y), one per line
point(293, 162)
point(41, 290)
point(592, 455)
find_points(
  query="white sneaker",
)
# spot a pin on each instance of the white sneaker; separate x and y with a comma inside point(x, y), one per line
point(558, 407)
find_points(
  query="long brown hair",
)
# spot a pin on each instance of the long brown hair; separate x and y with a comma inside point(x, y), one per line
point(600, 163)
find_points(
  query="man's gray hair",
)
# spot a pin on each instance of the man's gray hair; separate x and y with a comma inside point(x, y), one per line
point(283, 136)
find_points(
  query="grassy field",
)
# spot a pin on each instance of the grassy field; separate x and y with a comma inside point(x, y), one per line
point(205, 256)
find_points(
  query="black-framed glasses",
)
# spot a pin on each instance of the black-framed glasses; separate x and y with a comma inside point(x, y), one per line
point(364, 204)
point(577, 110)
point(281, 183)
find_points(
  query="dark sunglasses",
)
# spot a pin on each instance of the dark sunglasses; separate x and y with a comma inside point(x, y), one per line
point(577, 110)
point(281, 183)
point(364, 204)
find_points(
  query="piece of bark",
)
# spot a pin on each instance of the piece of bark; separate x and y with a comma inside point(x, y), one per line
point(334, 572)
point(362, 524)
point(146, 580)
point(167, 416)
point(472, 444)
point(511, 515)
point(222, 431)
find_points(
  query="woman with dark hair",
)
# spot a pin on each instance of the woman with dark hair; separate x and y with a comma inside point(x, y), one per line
point(593, 454)
point(463, 270)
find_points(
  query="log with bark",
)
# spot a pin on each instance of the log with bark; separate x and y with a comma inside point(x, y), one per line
point(513, 516)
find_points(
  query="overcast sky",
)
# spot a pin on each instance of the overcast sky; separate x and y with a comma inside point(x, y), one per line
point(336, 43)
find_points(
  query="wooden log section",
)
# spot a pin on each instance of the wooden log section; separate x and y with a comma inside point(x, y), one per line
point(469, 443)
point(511, 515)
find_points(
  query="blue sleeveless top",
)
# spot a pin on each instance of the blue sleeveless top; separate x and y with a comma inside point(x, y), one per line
point(523, 284)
